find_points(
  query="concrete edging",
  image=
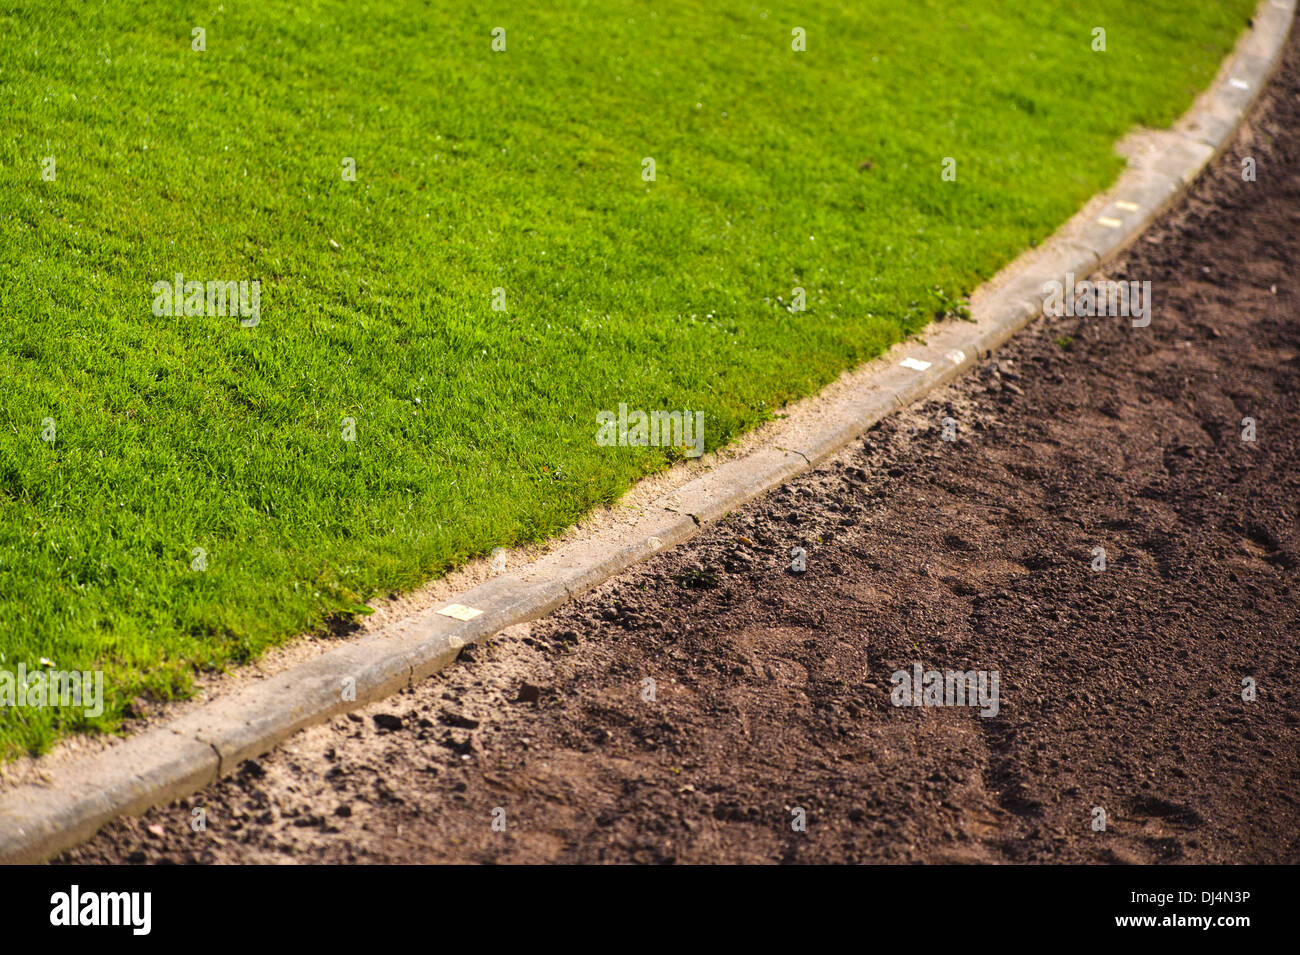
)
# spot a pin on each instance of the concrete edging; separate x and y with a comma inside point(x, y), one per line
point(188, 753)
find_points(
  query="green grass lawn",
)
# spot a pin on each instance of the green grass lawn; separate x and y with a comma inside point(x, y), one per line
point(476, 170)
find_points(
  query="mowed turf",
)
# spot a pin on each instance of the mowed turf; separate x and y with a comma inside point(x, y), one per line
point(476, 170)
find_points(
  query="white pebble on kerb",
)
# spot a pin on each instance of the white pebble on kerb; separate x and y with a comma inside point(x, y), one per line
point(915, 364)
point(460, 612)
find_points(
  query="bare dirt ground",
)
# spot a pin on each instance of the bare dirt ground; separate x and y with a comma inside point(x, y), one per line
point(1121, 689)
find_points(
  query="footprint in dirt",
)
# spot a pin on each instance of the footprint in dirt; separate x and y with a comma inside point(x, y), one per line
point(1157, 831)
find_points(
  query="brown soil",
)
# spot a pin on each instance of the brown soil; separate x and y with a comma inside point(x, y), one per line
point(1120, 689)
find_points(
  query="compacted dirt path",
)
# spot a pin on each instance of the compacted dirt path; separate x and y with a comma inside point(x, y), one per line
point(1120, 690)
